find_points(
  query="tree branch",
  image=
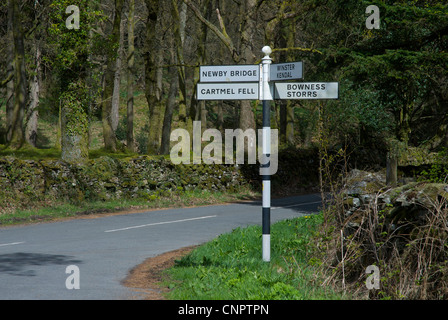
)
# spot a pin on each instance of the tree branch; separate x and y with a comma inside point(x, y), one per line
point(297, 49)
point(224, 37)
point(4, 82)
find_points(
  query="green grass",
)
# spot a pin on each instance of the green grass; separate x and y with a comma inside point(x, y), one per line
point(29, 153)
point(231, 267)
point(56, 210)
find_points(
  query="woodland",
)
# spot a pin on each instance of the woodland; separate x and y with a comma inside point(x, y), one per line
point(392, 80)
point(86, 113)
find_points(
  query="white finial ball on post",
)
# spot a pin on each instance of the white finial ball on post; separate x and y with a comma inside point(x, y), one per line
point(267, 50)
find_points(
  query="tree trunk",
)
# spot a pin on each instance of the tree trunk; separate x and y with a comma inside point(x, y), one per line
point(248, 28)
point(198, 111)
point(391, 169)
point(110, 143)
point(156, 106)
point(33, 114)
point(152, 72)
point(202, 58)
point(130, 79)
point(404, 128)
point(179, 36)
point(289, 133)
point(117, 81)
point(221, 116)
point(166, 130)
point(290, 43)
point(168, 116)
point(15, 136)
point(10, 72)
point(74, 127)
point(281, 105)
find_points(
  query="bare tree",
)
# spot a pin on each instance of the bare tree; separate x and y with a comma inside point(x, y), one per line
point(10, 72)
point(153, 84)
point(179, 18)
point(198, 109)
point(110, 143)
point(174, 88)
point(15, 134)
point(117, 80)
point(32, 112)
point(242, 55)
point(130, 78)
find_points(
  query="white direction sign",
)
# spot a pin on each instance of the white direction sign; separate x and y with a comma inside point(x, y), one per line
point(306, 90)
point(237, 73)
point(227, 91)
point(286, 71)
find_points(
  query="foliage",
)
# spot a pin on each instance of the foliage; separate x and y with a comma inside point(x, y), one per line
point(230, 266)
point(70, 48)
point(358, 117)
point(438, 171)
point(393, 87)
point(404, 62)
point(392, 80)
point(402, 231)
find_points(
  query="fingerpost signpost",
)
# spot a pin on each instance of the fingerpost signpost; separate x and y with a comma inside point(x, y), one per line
point(260, 82)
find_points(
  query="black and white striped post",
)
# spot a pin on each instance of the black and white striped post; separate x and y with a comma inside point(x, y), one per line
point(265, 97)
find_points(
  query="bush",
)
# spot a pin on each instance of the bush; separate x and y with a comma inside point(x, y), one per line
point(402, 231)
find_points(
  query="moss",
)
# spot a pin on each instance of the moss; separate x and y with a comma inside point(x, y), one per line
point(121, 154)
point(74, 125)
point(413, 156)
point(30, 153)
point(110, 176)
point(107, 178)
point(395, 192)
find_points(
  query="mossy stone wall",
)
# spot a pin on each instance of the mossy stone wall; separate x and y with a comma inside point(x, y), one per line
point(107, 178)
point(143, 177)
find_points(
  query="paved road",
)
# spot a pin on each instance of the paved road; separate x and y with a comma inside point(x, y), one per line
point(34, 258)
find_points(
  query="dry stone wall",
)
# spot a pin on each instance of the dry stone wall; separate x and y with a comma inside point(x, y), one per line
point(106, 178)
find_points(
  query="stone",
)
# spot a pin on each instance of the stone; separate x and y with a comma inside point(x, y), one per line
point(107, 178)
point(384, 199)
point(402, 201)
point(364, 182)
point(366, 199)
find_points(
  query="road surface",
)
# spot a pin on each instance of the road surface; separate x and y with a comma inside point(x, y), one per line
point(34, 258)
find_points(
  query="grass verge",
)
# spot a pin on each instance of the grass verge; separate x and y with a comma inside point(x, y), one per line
point(57, 210)
point(231, 267)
